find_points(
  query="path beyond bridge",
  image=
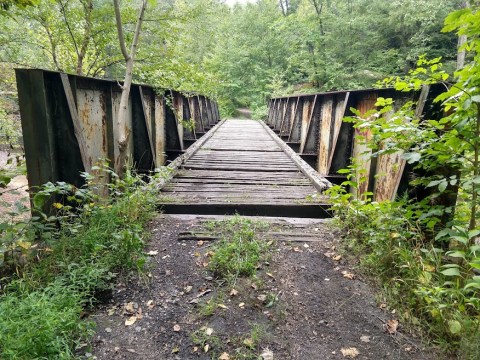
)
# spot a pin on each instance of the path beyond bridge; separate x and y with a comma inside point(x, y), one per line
point(242, 166)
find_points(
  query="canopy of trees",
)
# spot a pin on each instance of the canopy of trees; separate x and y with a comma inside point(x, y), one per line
point(239, 54)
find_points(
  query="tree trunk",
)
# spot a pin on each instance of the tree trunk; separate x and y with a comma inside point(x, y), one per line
point(123, 133)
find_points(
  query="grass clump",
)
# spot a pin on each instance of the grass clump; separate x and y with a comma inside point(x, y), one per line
point(239, 251)
point(70, 261)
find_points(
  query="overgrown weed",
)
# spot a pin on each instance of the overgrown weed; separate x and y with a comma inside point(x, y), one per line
point(71, 257)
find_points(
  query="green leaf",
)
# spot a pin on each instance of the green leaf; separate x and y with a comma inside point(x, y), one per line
point(456, 254)
point(442, 186)
point(451, 272)
point(476, 98)
point(39, 200)
point(473, 233)
point(412, 157)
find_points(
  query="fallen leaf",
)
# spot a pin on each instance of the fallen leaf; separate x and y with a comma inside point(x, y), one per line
point(224, 356)
point(153, 252)
point(130, 307)
point(188, 289)
point(206, 347)
point(382, 306)
point(254, 286)
point(111, 311)
point(132, 351)
point(337, 258)
point(306, 246)
point(130, 321)
point(365, 338)
point(350, 352)
point(209, 331)
point(262, 297)
point(348, 275)
point(233, 292)
point(150, 304)
point(297, 249)
point(223, 306)
point(241, 305)
point(205, 264)
point(196, 254)
point(391, 326)
point(175, 350)
point(270, 275)
point(200, 243)
point(116, 349)
point(267, 354)
point(108, 330)
point(176, 328)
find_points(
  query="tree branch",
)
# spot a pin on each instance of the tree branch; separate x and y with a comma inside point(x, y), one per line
point(121, 38)
point(63, 11)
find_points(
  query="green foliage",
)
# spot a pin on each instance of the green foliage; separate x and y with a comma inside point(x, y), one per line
point(57, 265)
point(427, 250)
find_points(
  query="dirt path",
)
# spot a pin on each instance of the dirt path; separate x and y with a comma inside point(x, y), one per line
point(305, 303)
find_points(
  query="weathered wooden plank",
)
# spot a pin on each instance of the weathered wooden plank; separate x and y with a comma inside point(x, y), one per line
point(247, 166)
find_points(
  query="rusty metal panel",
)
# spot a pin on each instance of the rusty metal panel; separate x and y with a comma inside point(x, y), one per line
point(310, 144)
point(281, 113)
point(159, 130)
point(195, 114)
point(341, 105)
point(325, 135)
point(271, 106)
point(361, 151)
point(296, 128)
point(388, 174)
point(92, 117)
point(305, 123)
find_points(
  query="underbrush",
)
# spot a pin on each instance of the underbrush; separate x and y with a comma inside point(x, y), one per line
point(431, 287)
point(56, 267)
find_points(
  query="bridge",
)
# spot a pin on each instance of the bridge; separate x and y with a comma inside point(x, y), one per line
point(280, 167)
point(241, 166)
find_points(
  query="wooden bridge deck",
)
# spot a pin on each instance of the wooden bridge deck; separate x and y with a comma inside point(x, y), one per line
point(243, 167)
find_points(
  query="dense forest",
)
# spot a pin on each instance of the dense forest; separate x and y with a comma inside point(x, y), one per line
point(422, 254)
point(241, 55)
